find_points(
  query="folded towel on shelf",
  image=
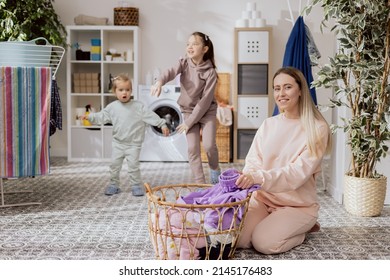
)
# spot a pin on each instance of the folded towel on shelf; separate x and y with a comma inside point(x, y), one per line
point(89, 20)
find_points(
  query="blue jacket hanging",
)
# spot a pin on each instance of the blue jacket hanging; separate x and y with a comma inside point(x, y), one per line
point(297, 55)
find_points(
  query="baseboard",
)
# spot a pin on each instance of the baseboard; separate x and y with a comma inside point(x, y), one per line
point(387, 198)
point(336, 193)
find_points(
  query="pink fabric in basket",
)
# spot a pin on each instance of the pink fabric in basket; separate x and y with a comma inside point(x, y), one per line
point(183, 248)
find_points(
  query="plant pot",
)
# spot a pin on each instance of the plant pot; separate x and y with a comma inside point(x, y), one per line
point(364, 197)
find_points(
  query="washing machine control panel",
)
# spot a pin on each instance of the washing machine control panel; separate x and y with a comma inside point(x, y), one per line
point(168, 91)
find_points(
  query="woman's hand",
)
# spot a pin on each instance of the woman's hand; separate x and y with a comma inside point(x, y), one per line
point(245, 181)
point(156, 89)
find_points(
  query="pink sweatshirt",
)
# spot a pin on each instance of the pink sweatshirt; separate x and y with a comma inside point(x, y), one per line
point(197, 88)
point(280, 156)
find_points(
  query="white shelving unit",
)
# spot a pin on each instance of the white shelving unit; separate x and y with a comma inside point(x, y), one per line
point(93, 143)
point(251, 88)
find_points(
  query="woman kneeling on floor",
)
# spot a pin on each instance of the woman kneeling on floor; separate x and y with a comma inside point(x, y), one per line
point(285, 158)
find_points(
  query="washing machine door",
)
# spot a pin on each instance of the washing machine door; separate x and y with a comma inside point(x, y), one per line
point(168, 110)
point(156, 146)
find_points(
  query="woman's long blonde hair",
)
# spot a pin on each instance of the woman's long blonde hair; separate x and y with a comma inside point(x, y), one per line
point(307, 111)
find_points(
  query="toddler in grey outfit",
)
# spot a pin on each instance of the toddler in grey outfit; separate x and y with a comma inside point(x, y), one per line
point(129, 119)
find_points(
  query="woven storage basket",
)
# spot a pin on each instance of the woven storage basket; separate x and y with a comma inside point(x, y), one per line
point(222, 95)
point(126, 16)
point(364, 196)
point(222, 90)
point(223, 144)
point(181, 231)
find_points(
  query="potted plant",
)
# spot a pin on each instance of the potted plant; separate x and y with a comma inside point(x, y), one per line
point(25, 20)
point(108, 56)
point(359, 75)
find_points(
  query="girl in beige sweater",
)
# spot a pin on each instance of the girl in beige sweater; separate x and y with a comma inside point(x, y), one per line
point(198, 79)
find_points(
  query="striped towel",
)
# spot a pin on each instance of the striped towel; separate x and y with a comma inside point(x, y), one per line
point(24, 121)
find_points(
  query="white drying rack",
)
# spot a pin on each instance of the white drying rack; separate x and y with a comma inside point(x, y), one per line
point(34, 53)
point(2, 193)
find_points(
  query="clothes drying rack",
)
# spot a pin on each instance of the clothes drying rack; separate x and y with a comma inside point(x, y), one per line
point(35, 53)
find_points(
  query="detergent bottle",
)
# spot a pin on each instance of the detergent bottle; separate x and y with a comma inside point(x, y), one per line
point(86, 122)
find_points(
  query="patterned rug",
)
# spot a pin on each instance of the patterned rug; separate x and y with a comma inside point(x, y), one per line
point(76, 221)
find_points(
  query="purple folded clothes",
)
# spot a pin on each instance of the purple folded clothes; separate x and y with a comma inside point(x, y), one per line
point(226, 191)
point(228, 179)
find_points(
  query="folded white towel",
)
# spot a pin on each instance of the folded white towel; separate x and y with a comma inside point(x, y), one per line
point(89, 20)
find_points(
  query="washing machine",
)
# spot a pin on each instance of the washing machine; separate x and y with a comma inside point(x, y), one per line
point(156, 146)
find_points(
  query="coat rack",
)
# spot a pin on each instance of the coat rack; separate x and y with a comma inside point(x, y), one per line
point(291, 19)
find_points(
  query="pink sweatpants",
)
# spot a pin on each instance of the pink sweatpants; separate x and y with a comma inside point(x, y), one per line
point(208, 125)
point(274, 230)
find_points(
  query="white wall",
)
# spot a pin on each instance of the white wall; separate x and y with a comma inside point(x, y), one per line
point(166, 24)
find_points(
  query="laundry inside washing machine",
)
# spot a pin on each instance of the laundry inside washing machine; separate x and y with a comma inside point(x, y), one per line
point(171, 116)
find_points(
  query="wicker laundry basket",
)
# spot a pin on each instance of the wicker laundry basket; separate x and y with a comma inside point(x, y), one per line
point(183, 231)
